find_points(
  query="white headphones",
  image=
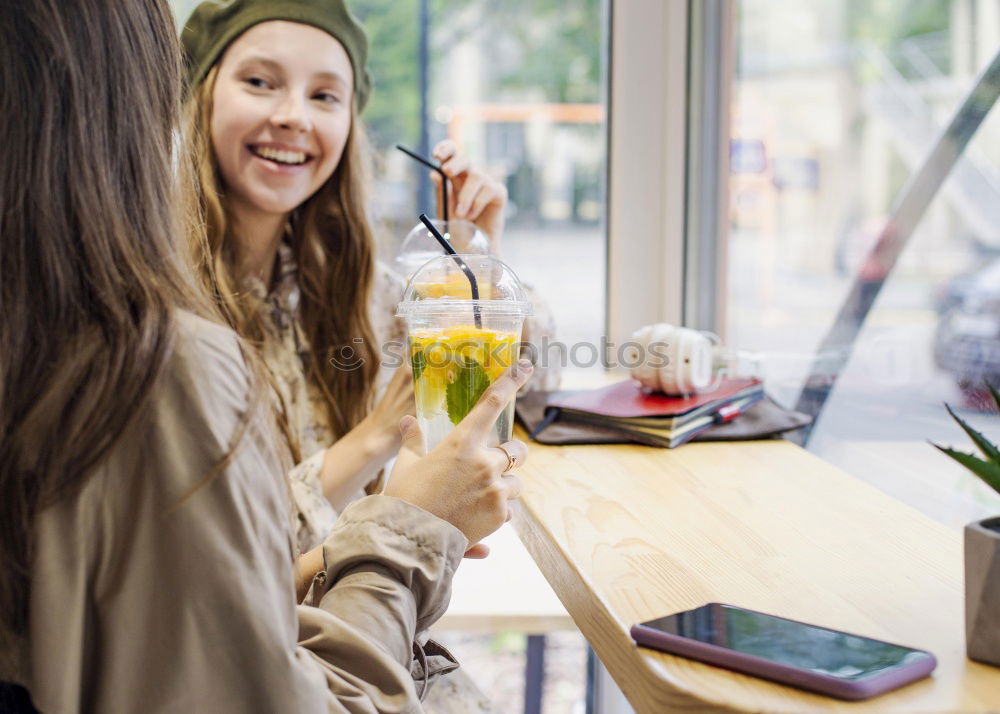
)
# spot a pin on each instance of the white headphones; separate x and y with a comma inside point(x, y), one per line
point(673, 360)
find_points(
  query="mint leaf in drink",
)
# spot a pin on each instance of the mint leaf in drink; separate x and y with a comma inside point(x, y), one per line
point(419, 362)
point(463, 393)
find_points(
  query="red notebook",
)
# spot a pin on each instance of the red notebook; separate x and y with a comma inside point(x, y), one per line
point(653, 418)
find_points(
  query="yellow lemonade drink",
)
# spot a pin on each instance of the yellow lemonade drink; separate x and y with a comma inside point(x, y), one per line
point(452, 367)
point(461, 340)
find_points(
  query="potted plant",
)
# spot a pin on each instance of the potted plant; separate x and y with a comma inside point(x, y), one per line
point(982, 552)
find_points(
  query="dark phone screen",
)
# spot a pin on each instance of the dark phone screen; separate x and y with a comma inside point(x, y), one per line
point(807, 647)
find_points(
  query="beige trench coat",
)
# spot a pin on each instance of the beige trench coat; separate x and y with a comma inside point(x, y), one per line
point(141, 602)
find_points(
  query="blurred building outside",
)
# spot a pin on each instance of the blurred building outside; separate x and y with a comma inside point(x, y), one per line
point(835, 104)
point(548, 149)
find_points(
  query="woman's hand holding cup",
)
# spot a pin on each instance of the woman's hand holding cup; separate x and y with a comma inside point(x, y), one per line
point(464, 480)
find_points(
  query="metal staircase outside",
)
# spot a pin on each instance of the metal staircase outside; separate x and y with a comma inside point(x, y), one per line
point(973, 189)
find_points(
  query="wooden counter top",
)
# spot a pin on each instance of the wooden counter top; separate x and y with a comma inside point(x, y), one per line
point(628, 533)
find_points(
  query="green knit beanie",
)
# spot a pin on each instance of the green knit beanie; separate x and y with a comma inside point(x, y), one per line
point(214, 25)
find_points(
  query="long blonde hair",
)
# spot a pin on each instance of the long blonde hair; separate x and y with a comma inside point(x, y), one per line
point(334, 248)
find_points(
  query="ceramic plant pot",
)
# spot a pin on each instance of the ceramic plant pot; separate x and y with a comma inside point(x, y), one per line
point(982, 591)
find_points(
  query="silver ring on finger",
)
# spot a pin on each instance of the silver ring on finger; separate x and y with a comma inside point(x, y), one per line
point(511, 460)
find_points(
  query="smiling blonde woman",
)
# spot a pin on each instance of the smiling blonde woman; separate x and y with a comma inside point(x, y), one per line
point(275, 91)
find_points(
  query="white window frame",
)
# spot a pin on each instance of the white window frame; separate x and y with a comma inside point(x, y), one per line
point(671, 64)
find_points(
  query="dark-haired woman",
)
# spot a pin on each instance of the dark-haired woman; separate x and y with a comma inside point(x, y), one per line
point(144, 532)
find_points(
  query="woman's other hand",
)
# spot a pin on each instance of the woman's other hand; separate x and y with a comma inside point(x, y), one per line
point(355, 459)
point(396, 402)
point(473, 195)
point(464, 480)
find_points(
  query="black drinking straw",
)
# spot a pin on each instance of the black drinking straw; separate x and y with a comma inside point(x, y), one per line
point(444, 179)
point(461, 264)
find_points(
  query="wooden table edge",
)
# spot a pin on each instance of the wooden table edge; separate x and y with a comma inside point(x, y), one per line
point(545, 551)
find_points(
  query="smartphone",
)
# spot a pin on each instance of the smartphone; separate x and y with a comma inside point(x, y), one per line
point(815, 658)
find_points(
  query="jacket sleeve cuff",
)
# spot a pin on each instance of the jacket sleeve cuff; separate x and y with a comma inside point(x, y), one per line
point(417, 548)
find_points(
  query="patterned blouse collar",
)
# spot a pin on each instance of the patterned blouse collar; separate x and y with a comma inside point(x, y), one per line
point(282, 299)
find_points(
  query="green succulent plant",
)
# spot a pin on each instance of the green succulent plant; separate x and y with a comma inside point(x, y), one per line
point(987, 468)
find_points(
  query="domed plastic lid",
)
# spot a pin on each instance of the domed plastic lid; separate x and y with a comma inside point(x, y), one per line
point(419, 246)
point(443, 285)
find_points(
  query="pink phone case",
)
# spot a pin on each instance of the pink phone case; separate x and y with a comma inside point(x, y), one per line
point(785, 674)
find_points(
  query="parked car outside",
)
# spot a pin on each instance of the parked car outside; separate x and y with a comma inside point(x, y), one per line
point(967, 339)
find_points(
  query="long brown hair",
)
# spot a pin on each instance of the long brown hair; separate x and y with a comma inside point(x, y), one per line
point(334, 248)
point(90, 268)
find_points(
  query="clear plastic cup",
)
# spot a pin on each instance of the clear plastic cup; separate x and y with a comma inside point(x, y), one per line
point(419, 245)
point(460, 345)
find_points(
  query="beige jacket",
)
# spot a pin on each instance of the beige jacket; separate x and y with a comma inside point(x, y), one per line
point(139, 604)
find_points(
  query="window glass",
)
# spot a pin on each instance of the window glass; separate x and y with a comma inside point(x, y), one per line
point(519, 87)
point(836, 103)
